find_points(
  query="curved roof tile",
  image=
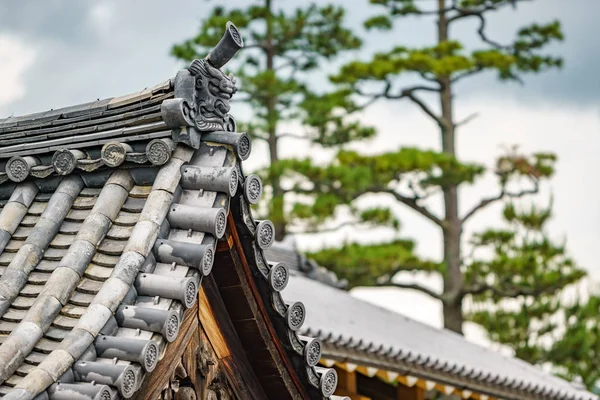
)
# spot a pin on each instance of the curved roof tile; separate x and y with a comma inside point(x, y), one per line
point(110, 216)
point(420, 349)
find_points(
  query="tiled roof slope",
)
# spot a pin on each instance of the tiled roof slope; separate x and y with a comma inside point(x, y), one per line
point(359, 332)
point(110, 214)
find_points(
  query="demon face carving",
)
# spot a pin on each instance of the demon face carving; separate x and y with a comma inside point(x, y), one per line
point(213, 91)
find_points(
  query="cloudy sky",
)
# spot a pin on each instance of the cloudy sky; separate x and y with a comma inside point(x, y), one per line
point(56, 53)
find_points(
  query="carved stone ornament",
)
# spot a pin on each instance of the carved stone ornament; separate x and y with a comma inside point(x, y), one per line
point(64, 161)
point(295, 315)
point(278, 277)
point(214, 89)
point(113, 153)
point(159, 151)
point(18, 168)
point(329, 380)
point(265, 234)
point(312, 353)
point(252, 188)
point(207, 261)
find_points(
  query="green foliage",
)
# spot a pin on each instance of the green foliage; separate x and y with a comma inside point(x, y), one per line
point(524, 265)
point(369, 265)
point(351, 175)
point(281, 49)
point(326, 116)
point(448, 58)
point(516, 275)
point(524, 261)
point(577, 351)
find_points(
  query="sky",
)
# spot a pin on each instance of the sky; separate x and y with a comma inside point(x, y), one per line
point(56, 53)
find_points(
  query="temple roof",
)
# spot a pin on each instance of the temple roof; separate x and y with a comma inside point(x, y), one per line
point(356, 331)
point(111, 215)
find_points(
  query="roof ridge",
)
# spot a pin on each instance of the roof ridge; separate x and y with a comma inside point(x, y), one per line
point(342, 336)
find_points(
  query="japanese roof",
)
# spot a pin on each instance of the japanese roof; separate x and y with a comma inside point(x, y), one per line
point(111, 213)
point(355, 331)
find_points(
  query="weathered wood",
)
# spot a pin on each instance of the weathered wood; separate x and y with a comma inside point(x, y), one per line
point(210, 375)
point(189, 360)
point(347, 385)
point(410, 393)
point(154, 384)
point(376, 388)
point(270, 338)
point(223, 337)
point(225, 244)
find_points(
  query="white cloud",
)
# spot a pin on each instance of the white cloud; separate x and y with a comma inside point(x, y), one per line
point(15, 58)
point(101, 16)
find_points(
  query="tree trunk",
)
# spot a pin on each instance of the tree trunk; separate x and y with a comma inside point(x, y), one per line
point(453, 279)
point(276, 208)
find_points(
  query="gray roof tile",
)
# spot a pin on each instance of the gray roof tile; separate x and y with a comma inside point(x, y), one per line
point(86, 260)
point(85, 193)
point(352, 324)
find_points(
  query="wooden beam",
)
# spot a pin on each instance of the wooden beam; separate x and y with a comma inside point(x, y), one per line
point(347, 385)
point(346, 380)
point(410, 393)
point(154, 384)
point(375, 388)
point(189, 360)
point(262, 320)
point(223, 337)
point(224, 245)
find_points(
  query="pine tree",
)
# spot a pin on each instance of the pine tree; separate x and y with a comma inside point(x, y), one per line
point(410, 175)
point(283, 49)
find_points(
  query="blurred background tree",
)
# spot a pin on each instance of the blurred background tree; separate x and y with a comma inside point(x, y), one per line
point(514, 278)
point(411, 175)
point(282, 50)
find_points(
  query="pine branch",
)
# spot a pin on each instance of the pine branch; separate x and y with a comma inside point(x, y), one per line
point(466, 74)
point(405, 93)
point(514, 291)
point(409, 93)
point(466, 12)
point(484, 37)
point(412, 286)
point(425, 108)
point(428, 78)
point(373, 96)
point(412, 203)
point(292, 136)
point(503, 193)
point(394, 10)
point(328, 230)
point(479, 14)
point(410, 90)
point(466, 120)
